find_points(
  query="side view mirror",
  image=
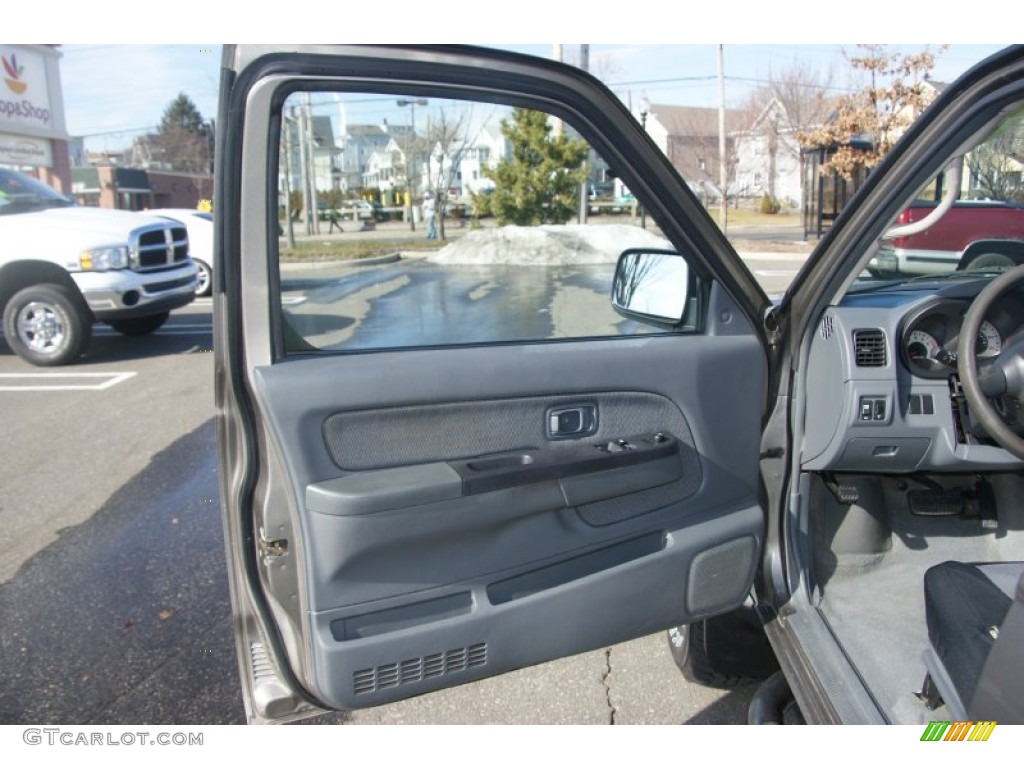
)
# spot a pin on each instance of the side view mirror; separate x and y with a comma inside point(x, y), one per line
point(651, 286)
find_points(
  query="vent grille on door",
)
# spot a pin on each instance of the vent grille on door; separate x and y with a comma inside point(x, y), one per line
point(869, 344)
point(415, 670)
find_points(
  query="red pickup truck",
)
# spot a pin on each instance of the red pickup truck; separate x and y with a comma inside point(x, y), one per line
point(978, 233)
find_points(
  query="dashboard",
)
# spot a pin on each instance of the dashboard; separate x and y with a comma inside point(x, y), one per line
point(882, 389)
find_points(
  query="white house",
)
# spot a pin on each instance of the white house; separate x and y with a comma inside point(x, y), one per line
point(325, 158)
point(768, 157)
point(462, 165)
point(359, 142)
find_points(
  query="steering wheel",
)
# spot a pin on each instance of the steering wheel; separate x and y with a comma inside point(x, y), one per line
point(1002, 376)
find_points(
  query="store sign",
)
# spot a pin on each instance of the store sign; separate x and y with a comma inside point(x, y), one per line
point(24, 95)
point(25, 150)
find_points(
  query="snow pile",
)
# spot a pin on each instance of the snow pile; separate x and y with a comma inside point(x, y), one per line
point(549, 245)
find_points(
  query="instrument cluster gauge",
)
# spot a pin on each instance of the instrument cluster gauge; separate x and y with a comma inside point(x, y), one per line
point(922, 346)
point(989, 343)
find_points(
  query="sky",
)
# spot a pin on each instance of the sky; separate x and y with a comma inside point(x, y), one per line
point(113, 91)
point(117, 85)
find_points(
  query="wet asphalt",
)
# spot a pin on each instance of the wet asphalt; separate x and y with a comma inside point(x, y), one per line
point(125, 618)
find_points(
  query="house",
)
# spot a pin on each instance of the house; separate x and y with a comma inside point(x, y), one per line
point(385, 170)
point(689, 138)
point(325, 161)
point(358, 142)
point(768, 157)
point(462, 166)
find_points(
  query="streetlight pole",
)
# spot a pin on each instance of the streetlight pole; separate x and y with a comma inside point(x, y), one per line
point(645, 107)
point(410, 161)
point(288, 122)
point(723, 171)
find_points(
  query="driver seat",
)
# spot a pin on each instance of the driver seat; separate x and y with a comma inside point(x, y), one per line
point(975, 616)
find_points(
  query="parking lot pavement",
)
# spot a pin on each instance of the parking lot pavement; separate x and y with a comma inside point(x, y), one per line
point(75, 435)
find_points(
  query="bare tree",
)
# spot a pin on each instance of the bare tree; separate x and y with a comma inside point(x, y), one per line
point(801, 89)
point(604, 66)
point(447, 142)
point(789, 101)
point(693, 147)
point(996, 165)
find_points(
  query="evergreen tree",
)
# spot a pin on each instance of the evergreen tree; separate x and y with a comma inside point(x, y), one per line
point(184, 141)
point(182, 114)
point(540, 182)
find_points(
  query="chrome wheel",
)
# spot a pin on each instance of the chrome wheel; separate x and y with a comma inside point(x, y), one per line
point(47, 324)
point(41, 327)
point(205, 279)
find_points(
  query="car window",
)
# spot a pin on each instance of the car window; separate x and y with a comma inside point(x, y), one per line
point(444, 222)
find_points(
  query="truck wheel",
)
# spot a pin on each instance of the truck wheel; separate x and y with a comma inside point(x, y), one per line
point(205, 287)
point(139, 326)
point(46, 325)
point(723, 652)
point(991, 261)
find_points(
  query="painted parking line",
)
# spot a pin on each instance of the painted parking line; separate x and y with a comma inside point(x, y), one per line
point(776, 272)
point(41, 382)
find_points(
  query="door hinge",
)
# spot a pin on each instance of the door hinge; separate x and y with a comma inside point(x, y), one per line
point(272, 548)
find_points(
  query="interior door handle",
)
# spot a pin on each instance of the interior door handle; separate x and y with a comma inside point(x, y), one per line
point(571, 421)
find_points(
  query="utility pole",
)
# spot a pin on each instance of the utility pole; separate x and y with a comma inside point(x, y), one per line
point(288, 181)
point(297, 116)
point(585, 66)
point(311, 155)
point(645, 108)
point(723, 171)
point(556, 123)
point(410, 156)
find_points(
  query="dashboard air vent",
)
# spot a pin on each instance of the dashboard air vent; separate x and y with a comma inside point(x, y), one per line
point(869, 345)
point(828, 327)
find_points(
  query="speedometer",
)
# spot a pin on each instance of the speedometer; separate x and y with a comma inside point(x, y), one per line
point(922, 346)
point(989, 342)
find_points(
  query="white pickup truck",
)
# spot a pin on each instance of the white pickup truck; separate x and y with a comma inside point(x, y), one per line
point(64, 268)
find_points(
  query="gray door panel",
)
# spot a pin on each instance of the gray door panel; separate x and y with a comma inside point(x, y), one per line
point(404, 563)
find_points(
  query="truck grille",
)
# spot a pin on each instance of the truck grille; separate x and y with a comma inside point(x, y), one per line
point(156, 247)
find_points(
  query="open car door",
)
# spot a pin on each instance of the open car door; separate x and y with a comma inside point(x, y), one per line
point(444, 464)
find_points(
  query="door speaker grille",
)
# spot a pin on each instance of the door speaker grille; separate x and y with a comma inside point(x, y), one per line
point(415, 670)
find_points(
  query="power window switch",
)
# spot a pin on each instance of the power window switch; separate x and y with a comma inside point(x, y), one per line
point(866, 409)
point(878, 409)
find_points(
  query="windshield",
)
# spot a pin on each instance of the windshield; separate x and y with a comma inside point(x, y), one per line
point(20, 193)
